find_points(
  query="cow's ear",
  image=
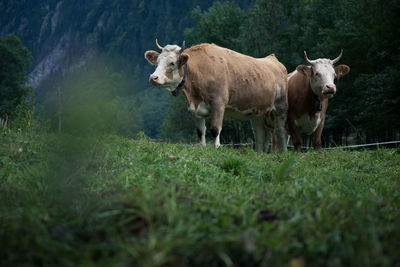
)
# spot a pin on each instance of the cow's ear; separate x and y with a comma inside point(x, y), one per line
point(151, 56)
point(341, 70)
point(305, 70)
point(183, 58)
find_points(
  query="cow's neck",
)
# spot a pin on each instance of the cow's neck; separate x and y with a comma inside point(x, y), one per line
point(182, 83)
point(190, 92)
point(317, 103)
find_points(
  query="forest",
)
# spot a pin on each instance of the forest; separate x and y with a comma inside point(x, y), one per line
point(98, 71)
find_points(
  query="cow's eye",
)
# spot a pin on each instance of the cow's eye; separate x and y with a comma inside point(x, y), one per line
point(172, 64)
point(317, 74)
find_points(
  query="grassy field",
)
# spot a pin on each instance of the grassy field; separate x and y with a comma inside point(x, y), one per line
point(111, 201)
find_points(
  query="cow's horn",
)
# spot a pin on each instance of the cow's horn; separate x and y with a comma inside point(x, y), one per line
point(306, 58)
point(183, 47)
point(337, 59)
point(159, 46)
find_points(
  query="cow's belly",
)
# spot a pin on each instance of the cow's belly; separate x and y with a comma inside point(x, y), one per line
point(236, 114)
point(203, 110)
point(308, 124)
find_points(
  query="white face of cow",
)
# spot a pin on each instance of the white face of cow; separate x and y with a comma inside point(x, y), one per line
point(168, 73)
point(322, 78)
point(322, 74)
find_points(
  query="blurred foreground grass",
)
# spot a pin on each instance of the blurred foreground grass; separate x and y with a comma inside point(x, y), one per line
point(68, 200)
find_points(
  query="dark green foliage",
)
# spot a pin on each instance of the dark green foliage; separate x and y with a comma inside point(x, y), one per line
point(153, 105)
point(14, 59)
point(220, 24)
point(262, 29)
point(178, 123)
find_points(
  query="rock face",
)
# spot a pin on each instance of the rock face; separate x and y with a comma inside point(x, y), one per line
point(66, 56)
point(51, 34)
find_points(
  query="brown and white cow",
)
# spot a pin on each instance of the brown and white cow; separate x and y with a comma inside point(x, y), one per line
point(309, 88)
point(217, 81)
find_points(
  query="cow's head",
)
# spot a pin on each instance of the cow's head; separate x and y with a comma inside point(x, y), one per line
point(169, 71)
point(322, 74)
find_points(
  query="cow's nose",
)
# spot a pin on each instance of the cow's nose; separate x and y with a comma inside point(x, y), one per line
point(331, 86)
point(154, 77)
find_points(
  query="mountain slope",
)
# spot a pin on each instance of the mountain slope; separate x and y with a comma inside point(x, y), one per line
point(62, 35)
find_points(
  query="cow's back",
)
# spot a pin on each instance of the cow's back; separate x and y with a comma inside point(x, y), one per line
point(245, 82)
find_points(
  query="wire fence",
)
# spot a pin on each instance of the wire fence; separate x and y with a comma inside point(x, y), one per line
point(371, 145)
point(389, 144)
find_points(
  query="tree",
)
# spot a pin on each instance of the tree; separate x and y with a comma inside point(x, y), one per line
point(263, 26)
point(219, 24)
point(178, 123)
point(14, 58)
point(152, 106)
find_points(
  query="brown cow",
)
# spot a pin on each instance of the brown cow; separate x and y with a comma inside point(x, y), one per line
point(309, 88)
point(217, 81)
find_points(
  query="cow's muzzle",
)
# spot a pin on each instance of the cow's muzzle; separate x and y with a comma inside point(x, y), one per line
point(154, 80)
point(330, 90)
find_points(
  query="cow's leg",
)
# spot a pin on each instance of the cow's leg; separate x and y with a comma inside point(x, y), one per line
point(269, 137)
point(201, 130)
point(295, 135)
point(274, 141)
point(274, 147)
point(259, 133)
point(217, 117)
point(279, 115)
point(316, 136)
point(280, 133)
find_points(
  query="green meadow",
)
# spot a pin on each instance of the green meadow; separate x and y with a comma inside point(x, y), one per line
point(69, 200)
